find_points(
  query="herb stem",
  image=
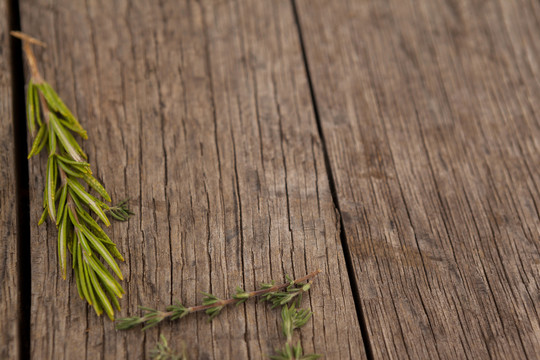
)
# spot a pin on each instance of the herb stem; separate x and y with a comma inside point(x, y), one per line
point(251, 294)
point(28, 41)
point(279, 295)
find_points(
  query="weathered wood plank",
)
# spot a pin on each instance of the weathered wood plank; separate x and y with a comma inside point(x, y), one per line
point(429, 110)
point(9, 279)
point(201, 112)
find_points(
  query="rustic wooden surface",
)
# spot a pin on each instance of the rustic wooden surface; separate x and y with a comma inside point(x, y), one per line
point(429, 111)
point(238, 127)
point(201, 112)
point(9, 287)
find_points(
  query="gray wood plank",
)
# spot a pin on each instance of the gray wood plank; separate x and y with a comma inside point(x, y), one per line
point(201, 112)
point(9, 279)
point(429, 111)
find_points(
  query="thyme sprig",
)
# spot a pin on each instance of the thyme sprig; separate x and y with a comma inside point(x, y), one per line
point(212, 305)
point(162, 351)
point(294, 352)
point(120, 211)
point(293, 319)
point(287, 295)
point(65, 200)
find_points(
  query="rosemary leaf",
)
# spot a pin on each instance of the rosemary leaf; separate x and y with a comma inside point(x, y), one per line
point(102, 250)
point(62, 246)
point(61, 204)
point(30, 114)
point(39, 141)
point(51, 187)
point(100, 294)
point(96, 185)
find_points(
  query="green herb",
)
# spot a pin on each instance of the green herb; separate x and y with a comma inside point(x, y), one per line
point(293, 319)
point(283, 294)
point(66, 201)
point(162, 351)
point(291, 352)
point(293, 290)
point(213, 305)
point(121, 211)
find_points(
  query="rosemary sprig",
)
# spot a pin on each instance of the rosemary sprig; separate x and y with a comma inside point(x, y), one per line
point(213, 305)
point(65, 200)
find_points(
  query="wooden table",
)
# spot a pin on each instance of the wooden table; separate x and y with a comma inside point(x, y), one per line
point(392, 144)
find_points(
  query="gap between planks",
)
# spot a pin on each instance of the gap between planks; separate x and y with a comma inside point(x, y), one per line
point(21, 180)
point(335, 198)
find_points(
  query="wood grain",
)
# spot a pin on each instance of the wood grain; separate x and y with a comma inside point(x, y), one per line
point(201, 112)
point(9, 279)
point(429, 111)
